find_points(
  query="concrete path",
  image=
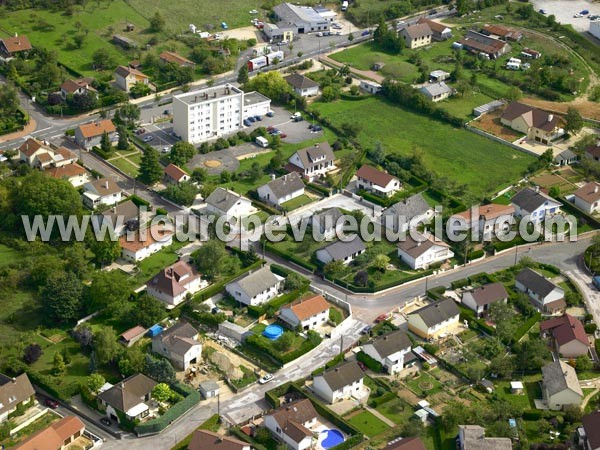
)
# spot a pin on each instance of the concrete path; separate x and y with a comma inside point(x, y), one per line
point(380, 416)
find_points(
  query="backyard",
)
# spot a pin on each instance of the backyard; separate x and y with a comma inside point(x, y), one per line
point(367, 423)
point(457, 154)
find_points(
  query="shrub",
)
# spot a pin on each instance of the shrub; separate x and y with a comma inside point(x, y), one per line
point(375, 366)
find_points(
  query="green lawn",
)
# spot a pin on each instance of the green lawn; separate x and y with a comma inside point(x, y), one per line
point(396, 410)
point(54, 30)
point(425, 384)
point(7, 255)
point(153, 264)
point(523, 401)
point(482, 165)
point(367, 424)
point(125, 166)
point(297, 202)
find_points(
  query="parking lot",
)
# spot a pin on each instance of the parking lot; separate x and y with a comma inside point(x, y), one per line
point(564, 11)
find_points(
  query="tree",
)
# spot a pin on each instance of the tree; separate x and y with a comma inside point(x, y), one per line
point(106, 347)
point(61, 297)
point(106, 250)
point(294, 281)
point(148, 310)
point(162, 393)
point(242, 77)
point(130, 113)
point(255, 172)
point(181, 153)
point(271, 84)
point(183, 193)
point(32, 353)
point(123, 143)
point(58, 365)
point(573, 121)
point(83, 334)
point(9, 101)
point(78, 40)
point(105, 144)
point(95, 381)
point(350, 37)
point(132, 361)
point(381, 262)
point(284, 342)
point(361, 278)
point(583, 363)
point(106, 289)
point(199, 175)
point(333, 269)
point(102, 59)
point(157, 23)
point(330, 93)
point(209, 258)
point(150, 169)
point(139, 90)
point(159, 369)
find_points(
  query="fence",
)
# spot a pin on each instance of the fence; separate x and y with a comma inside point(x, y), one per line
point(500, 140)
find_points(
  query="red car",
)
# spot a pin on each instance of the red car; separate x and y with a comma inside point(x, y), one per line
point(381, 318)
point(51, 403)
point(362, 366)
point(283, 135)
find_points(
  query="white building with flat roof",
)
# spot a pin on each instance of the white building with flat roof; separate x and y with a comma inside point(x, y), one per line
point(213, 112)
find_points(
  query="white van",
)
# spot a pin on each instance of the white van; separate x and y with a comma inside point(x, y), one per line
point(345, 5)
point(262, 142)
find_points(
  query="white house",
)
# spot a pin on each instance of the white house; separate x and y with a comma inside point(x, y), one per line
point(345, 251)
point(73, 173)
point(544, 294)
point(138, 245)
point(436, 92)
point(282, 189)
point(224, 202)
point(417, 35)
point(308, 313)
point(535, 205)
point(256, 288)
point(101, 192)
point(179, 344)
point(536, 124)
point(89, 135)
point(407, 214)
point(312, 162)
point(128, 397)
point(303, 86)
point(560, 386)
point(434, 320)
point(472, 437)
point(121, 218)
point(587, 198)
point(173, 284)
point(422, 253)
point(373, 180)
point(126, 78)
point(339, 383)
point(485, 221)
point(14, 392)
point(370, 86)
point(175, 174)
point(41, 155)
point(389, 350)
point(292, 424)
point(480, 298)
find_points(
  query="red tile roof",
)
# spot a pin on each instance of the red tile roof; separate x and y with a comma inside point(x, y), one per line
point(53, 437)
point(65, 172)
point(30, 146)
point(410, 443)
point(132, 333)
point(171, 57)
point(16, 44)
point(171, 280)
point(488, 212)
point(309, 307)
point(93, 129)
point(175, 172)
point(565, 329)
point(373, 175)
point(435, 26)
point(153, 234)
point(589, 193)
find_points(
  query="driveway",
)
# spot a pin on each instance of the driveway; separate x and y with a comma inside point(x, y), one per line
point(335, 201)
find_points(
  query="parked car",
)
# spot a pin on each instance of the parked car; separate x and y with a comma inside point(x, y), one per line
point(365, 33)
point(542, 11)
point(270, 114)
point(165, 150)
point(251, 119)
point(268, 377)
point(258, 118)
point(270, 128)
point(166, 112)
point(320, 34)
point(432, 12)
point(283, 135)
point(276, 132)
point(253, 11)
point(362, 366)
point(381, 318)
point(366, 330)
point(317, 128)
point(148, 138)
point(585, 12)
point(105, 421)
point(247, 122)
point(594, 17)
point(51, 403)
point(140, 131)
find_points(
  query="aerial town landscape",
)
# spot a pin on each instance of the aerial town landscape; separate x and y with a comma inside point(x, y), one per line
point(355, 224)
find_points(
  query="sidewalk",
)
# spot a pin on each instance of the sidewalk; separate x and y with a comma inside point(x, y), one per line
point(29, 128)
point(380, 416)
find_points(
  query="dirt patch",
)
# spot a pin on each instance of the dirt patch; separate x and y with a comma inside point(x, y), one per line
point(242, 34)
point(491, 123)
point(548, 180)
point(212, 163)
point(585, 107)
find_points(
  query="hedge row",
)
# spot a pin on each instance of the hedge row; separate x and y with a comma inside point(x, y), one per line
point(479, 324)
point(436, 293)
point(478, 278)
point(381, 287)
point(290, 257)
point(245, 438)
point(375, 366)
point(526, 326)
point(499, 245)
point(388, 396)
point(278, 302)
point(318, 189)
point(272, 396)
point(191, 398)
point(138, 201)
point(48, 384)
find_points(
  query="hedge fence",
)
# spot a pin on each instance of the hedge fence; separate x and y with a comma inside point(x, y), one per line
point(272, 248)
point(278, 302)
point(259, 343)
point(191, 398)
point(218, 287)
point(372, 364)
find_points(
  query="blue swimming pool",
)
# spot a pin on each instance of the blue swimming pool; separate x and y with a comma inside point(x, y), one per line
point(273, 332)
point(332, 438)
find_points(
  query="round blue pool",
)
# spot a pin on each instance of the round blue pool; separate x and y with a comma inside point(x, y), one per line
point(273, 332)
point(332, 438)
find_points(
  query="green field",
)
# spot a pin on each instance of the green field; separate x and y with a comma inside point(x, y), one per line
point(54, 30)
point(464, 157)
point(367, 423)
point(7, 255)
point(125, 166)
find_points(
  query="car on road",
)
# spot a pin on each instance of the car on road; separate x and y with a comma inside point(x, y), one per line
point(366, 330)
point(542, 11)
point(105, 421)
point(432, 12)
point(165, 150)
point(51, 403)
point(140, 131)
point(365, 33)
point(283, 135)
point(362, 366)
point(265, 379)
point(594, 17)
point(148, 138)
point(381, 318)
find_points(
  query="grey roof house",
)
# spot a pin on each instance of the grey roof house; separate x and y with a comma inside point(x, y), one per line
point(14, 392)
point(480, 298)
point(543, 293)
point(225, 202)
point(408, 213)
point(345, 251)
point(560, 386)
point(339, 383)
point(256, 287)
point(435, 319)
point(312, 162)
point(327, 222)
point(391, 350)
point(128, 397)
point(282, 189)
point(302, 85)
point(179, 344)
point(436, 92)
point(535, 204)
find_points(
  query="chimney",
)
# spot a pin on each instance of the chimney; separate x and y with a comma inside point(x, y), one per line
point(418, 243)
point(273, 177)
point(537, 189)
point(114, 209)
point(550, 117)
point(106, 184)
point(595, 188)
point(13, 379)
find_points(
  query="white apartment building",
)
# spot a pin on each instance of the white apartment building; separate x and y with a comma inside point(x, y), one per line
point(217, 111)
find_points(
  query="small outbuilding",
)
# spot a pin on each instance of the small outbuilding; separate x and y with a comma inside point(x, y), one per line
point(209, 389)
point(516, 387)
